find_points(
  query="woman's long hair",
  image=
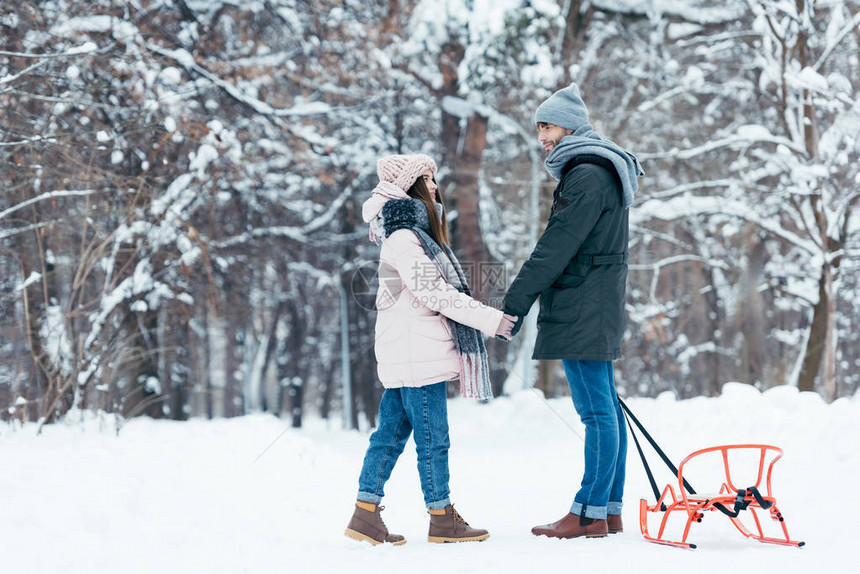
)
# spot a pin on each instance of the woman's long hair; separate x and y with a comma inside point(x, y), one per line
point(438, 228)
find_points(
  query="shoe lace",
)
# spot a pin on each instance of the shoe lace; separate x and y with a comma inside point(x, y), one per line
point(457, 517)
point(379, 510)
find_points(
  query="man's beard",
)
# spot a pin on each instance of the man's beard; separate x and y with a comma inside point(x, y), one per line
point(555, 144)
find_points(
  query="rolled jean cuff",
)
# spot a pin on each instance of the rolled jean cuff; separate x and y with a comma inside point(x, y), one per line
point(438, 504)
point(368, 497)
point(613, 508)
point(598, 512)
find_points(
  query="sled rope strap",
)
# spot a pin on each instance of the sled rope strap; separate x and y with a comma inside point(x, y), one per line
point(631, 417)
point(644, 461)
point(741, 503)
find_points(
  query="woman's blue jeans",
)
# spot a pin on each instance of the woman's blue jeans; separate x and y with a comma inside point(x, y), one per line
point(422, 412)
point(592, 389)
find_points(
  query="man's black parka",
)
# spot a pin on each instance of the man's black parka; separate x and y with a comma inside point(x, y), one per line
point(578, 267)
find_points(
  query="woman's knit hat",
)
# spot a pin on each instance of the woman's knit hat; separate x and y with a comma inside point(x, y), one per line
point(564, 109)
point(396, 173)
point(403, 170)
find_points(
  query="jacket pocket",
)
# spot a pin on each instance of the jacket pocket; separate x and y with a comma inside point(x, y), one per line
point(545, 310)
point(565, 305)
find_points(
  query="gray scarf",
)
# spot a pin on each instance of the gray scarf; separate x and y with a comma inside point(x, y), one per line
point(586, 141)
point(412, 214)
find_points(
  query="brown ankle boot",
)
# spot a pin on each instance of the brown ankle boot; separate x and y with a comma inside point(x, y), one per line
point(573, 526)
point(446, 525)
point(366, 524)
point(613, 523)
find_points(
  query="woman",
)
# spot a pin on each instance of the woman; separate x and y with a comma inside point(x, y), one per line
point(426, 334)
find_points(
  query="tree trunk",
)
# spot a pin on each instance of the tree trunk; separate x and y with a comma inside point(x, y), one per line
point(473, 252)
point(830, 341)
point(37, 385)
point(296, 399)
point(575, 22)
point(272, 345)
point(290, 383)
point(818, 334)
point(751, 314)
point(44, 376)
point(546, 378)
point(294, 346)
point(449, 60)
point(232, 392)
point(328, 388)
point(712, 299)
point(464, 159)
point(217, 379)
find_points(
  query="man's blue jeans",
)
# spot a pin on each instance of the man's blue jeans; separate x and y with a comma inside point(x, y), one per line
point(423, 412)
point(592, 389)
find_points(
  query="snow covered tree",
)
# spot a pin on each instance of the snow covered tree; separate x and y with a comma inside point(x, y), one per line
point(180, 223)
point(788, 146)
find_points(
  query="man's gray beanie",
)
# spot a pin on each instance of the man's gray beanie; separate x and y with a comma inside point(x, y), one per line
point(564, 109)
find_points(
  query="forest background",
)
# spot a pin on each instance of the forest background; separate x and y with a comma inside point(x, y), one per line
point(180, 230)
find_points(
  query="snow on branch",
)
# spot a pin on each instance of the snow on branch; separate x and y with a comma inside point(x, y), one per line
point(700, 13)
point(699, 185)
point(16, 231)
point(299, 234)
point(140, 285)
point(682, 207)
point(657, 266)
point(9, 78)
point(671, 239)
point(44, 196)
point(324, 278)
point(847, 29)
point(85, 48)
point(26, 141)
point(186, 60)
point(842, 214)
point(666, 261)
point(33, 278)
point(694, 83)
point(746, 136)
point(325, 218)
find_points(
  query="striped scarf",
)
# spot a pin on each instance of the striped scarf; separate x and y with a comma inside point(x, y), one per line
point(412, 214)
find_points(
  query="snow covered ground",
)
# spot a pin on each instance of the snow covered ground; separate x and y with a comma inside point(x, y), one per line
point(188, 497)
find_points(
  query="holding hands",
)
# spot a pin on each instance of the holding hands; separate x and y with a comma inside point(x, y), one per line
point(505, 330)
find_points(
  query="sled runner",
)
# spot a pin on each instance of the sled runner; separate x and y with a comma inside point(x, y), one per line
point(731, 500)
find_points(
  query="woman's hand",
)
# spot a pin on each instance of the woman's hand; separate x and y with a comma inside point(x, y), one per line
point(506, 327)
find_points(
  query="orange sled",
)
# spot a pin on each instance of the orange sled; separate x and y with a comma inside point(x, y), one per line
point(731, 500)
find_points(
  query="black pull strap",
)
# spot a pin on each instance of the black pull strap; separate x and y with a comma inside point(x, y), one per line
point(741, 503)
point(740, 500)
point(765, 504)
point(644, 461)
point(730, 513)
point(672, 467)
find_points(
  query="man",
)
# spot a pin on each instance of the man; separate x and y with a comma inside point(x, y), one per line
point(579, 269)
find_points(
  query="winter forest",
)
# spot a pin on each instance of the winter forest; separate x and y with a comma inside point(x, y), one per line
point(180, 229)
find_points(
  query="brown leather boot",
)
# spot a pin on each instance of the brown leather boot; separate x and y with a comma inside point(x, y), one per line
point(613, 523)
point(573, 526)
point(446, 525)
point(366, 524)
